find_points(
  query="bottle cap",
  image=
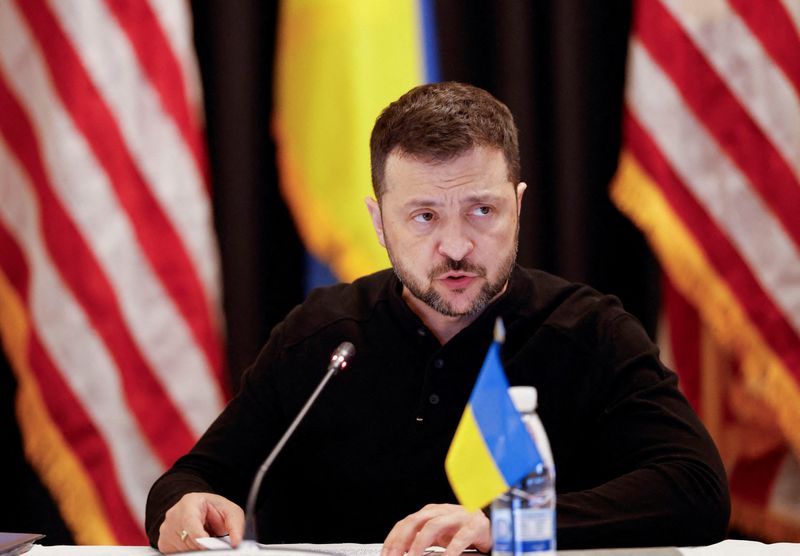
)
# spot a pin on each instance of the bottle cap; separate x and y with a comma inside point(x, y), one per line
point(524, 398)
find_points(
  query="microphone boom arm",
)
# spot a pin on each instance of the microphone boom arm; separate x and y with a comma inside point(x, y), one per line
point(338, 361)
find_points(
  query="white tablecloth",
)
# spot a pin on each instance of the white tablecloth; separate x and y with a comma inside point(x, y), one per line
point(724, 548)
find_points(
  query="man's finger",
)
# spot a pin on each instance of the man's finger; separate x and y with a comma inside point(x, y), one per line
point(176, 535)
point(223, 517)
point(189, 542)
point(437, 531)
point(179, 540)
point(234, 523)
point(199, 515)
point(399, 539)
point(215, 521)
point(475, 532)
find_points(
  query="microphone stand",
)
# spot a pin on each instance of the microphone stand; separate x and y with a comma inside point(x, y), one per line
point(338, 361)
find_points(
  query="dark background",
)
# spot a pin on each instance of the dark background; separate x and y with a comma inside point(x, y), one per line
point(558, 64)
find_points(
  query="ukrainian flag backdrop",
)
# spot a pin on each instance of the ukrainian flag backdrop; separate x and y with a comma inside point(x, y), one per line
point(491, 449)
point(338, 64)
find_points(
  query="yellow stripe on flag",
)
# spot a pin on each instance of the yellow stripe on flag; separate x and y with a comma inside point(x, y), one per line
point(338, 64)
point(472, 472)
point(45, 447)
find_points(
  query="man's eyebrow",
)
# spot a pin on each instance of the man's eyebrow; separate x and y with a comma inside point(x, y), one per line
point(480, 197)
point(487, 197)
point(422, 202)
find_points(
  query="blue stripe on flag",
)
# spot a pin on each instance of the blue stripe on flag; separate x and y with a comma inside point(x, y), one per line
point(430, 45)
point(317, 274)
point(500, 424)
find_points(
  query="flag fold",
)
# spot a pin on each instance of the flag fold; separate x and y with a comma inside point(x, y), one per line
point(491, 449)
point(710, 171)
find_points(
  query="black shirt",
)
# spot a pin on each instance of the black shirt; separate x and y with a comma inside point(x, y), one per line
point(634, 465)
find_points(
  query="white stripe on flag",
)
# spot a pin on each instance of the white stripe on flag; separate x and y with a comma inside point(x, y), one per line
point(70, 342)
point(785, 496)
point(664, 340)
point(741, 61)
point(170, 169)
point(177, 25)
point(717, 184)
point(84, 191)
point(793, 9)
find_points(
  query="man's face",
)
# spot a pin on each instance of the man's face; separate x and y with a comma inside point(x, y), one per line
point(450, 228)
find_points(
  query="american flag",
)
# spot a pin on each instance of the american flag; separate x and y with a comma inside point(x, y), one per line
point(109, 273)
point(710, 171)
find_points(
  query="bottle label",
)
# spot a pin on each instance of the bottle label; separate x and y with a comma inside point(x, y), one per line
point(527, 531)
point(502, 537)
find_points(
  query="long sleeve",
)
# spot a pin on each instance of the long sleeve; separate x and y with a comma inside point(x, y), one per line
point(671, 487)
point(635, 466)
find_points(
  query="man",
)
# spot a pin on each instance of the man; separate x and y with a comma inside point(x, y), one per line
point(634, 464)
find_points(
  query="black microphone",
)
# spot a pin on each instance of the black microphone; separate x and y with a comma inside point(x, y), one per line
point(339, 360)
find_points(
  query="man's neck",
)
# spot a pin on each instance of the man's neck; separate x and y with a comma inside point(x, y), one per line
point(442, 326)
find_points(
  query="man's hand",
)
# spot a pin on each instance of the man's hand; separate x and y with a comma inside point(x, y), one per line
point(199, 514)
point(445, 525)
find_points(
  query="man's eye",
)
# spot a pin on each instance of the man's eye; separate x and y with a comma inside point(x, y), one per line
point(423, 217)
point(481, 211)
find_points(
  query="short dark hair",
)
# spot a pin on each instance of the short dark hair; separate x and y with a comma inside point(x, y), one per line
point(441, 121)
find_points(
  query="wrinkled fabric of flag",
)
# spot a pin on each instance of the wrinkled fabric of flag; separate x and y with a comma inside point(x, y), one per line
point(491, 449)
point(710, 171)
point(110, 309)
point(338, 64)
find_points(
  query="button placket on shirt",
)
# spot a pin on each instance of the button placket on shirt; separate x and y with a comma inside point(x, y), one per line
point(430, 394)
point(438, 364)
point(433, 394)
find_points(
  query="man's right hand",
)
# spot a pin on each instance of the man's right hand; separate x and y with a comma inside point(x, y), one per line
point(199, 514)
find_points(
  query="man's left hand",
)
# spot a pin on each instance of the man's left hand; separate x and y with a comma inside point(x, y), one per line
point(445, 525)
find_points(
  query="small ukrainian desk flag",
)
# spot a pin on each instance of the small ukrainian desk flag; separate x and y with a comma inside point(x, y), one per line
point(491, 449)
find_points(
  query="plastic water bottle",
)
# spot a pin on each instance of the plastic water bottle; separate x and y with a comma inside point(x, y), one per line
point(524, 518)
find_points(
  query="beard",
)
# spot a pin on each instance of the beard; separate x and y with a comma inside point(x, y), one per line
point(435, 301)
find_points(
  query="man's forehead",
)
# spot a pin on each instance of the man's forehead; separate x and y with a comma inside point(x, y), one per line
point(475, 164)
point(398, 153)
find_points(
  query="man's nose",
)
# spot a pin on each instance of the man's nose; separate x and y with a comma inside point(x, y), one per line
point(454, 243)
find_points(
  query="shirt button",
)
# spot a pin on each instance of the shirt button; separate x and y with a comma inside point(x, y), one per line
point(434, 399)
point(438, 363)
point(421, 331)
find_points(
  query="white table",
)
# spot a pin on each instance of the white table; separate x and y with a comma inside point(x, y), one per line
point(724, 548)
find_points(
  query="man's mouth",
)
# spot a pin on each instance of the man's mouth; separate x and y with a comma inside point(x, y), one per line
point(457, 280)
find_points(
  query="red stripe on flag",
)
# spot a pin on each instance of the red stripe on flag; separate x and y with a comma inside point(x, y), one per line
point(718, 109)
point(753, 479)
point(66, 412)
point(157, 58)
point(77, 265)
point(684, 332)
point(159, 240)
point(761, 309)
point(771, 23)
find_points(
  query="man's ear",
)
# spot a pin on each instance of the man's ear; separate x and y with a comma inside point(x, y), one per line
point(521, 187)
point(377, 221)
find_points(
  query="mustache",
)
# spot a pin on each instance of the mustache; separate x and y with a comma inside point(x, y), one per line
point(454, 265)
